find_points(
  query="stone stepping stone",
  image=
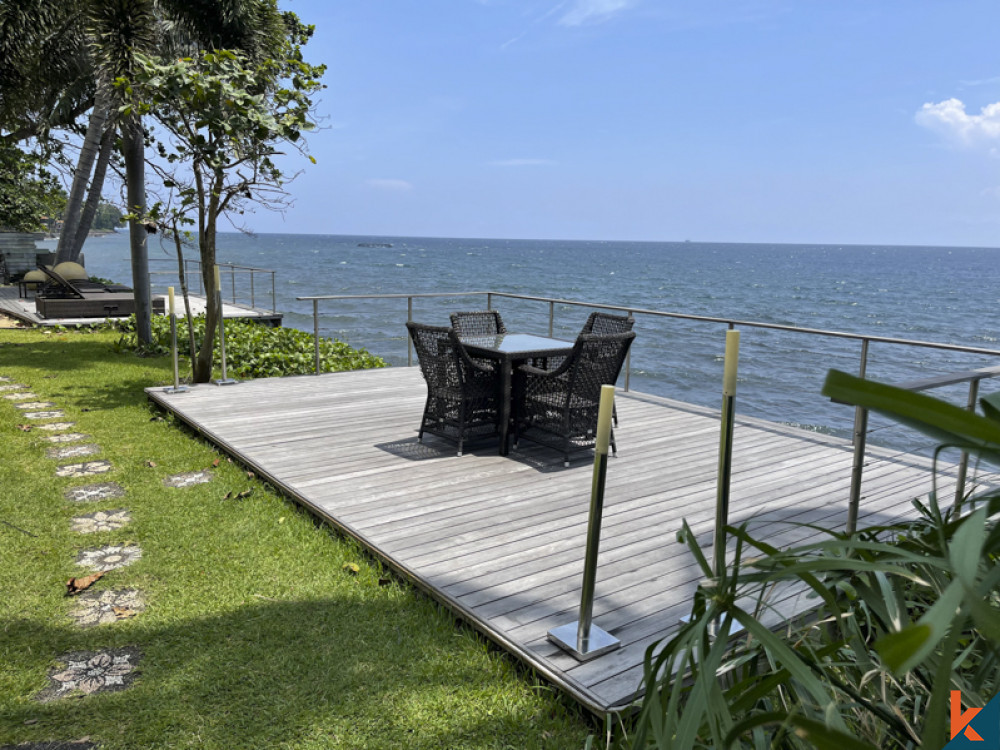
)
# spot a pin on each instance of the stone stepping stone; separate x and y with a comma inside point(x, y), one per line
point(74, 451)
point(111, 557)
point(4, 378)
point(106, 607)
point(91, 672)
point(69, 437)
point(45, 415)
point(11, 387)
point(102, 520)
point(91, 493)
point(35, 405)
point(188, 479)
point(56, 426)
point(86, 469)
point(21, 396)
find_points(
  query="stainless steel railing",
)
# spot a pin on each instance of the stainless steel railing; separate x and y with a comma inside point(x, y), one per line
point(860, 429)
point(245, 285)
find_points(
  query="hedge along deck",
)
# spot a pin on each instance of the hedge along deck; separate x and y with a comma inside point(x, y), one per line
point(500, 540)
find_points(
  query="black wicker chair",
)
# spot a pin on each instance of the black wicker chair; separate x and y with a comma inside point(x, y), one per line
point(559, 406)
point(602, 324)
point(462, 395)
point(481, 323)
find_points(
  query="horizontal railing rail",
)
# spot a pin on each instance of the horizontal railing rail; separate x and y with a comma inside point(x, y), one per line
point(250, 288)
point(860, 430)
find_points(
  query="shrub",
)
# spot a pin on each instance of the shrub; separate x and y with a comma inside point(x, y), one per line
point(904, 614)
point(254, 350)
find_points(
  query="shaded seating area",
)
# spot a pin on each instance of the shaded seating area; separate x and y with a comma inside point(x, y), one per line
point(462, 394)
point(559, 406)
point(75, 296)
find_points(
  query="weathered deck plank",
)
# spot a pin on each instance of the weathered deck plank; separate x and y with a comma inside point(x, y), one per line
point(500, 540)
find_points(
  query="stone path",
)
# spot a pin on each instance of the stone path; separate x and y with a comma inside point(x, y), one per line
point(84, 673)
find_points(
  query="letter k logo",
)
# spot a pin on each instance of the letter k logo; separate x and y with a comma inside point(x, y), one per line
point(960, 721)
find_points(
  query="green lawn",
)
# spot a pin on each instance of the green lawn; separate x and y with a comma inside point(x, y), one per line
point(254, 633)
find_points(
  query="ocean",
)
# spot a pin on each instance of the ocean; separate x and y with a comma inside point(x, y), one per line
point(947, 295)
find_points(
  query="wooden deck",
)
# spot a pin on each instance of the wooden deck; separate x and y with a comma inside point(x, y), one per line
point(24, 310)
point(500, 540)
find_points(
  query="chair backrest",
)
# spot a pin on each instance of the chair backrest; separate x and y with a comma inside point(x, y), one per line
point(480, 323)
point(603, 323)
point(597, 360)
point(443, 360)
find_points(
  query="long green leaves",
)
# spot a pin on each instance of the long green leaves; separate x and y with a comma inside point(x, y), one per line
point(903, 614)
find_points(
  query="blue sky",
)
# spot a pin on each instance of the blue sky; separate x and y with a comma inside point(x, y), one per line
point(874, 121)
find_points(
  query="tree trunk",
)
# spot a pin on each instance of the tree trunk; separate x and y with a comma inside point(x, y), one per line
point(94, 196)
point(213, 310)
point(133, 144)
point(81, 176)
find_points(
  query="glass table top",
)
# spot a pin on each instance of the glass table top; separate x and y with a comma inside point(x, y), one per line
point(512, 343)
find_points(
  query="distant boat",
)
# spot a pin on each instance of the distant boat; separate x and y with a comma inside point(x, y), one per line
point(374, 244)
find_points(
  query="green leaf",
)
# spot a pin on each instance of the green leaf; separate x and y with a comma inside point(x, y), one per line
point(946, 423)
point(896, 648)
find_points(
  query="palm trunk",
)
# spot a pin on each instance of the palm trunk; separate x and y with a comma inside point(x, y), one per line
point(81, 176)
point(94, 196)
point(135, 180)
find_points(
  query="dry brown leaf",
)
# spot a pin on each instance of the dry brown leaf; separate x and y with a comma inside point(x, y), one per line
point(245, 494)
point(229, 496)
point(122, 612)
point(216, 462)
point(351, 568)
point(249, 475)
point(76, 585)
point(150, 464)
point(24, 427)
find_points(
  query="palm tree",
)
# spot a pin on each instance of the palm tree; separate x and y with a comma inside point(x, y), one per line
point(92, 45)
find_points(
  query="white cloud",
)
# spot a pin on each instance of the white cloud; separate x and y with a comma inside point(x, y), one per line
point(394, 186)
point(522, 163)
point(586, 12)
point(950, 119)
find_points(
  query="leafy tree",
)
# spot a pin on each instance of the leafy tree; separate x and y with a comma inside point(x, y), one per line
point(108, 216)
point(224, 120)
point(58, 59)
point(28, 193)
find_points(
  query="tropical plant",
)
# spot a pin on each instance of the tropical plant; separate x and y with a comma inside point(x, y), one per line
point(88, 45)
point(902, 615)
point(254, 350)
point(224, 119)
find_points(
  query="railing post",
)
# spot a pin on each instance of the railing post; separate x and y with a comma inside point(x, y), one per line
point(552, 317)
point(860, 437)
point(274, 304)
point(232, 276)
point(316, 331)
point(409, 343)
point(963, 464)
point(582, 639)
point(489, 301)
point(252, 298)
point(628, 363)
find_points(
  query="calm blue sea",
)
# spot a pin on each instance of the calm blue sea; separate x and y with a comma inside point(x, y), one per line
point(948, 295)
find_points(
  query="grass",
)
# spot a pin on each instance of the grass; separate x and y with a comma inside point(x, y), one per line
point(255, 634)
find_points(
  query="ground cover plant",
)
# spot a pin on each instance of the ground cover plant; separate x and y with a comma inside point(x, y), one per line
point(248, 624)
point(904, 614)
point(253, 350)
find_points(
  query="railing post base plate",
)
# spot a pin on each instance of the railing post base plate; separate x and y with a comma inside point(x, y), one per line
point(599, 643)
